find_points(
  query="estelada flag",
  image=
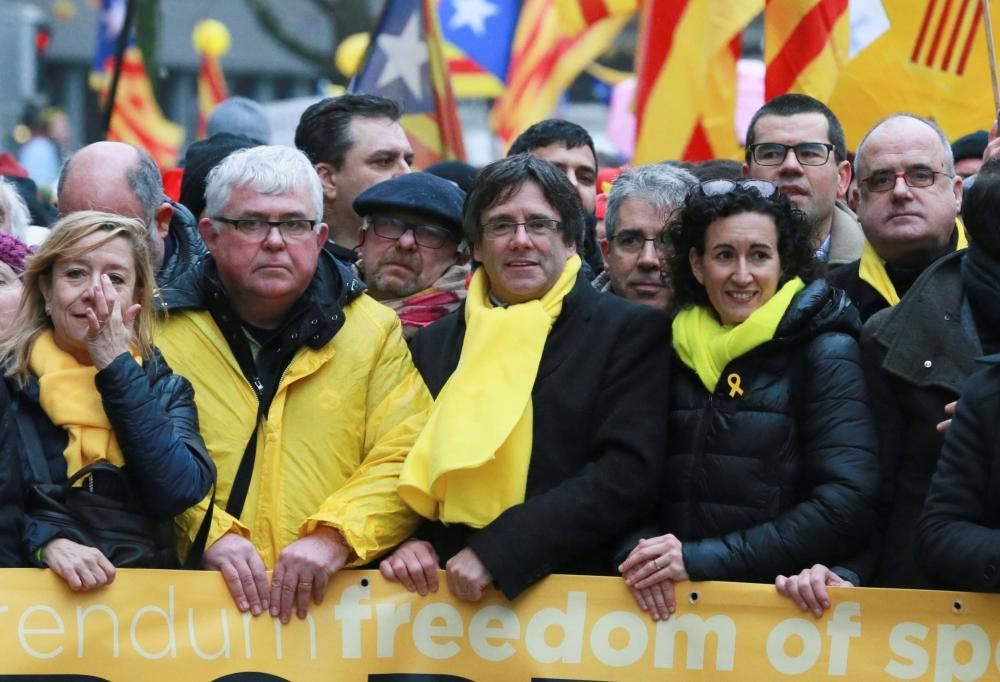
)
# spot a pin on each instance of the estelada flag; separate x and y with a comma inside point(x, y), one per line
point(211, 90)
point(686, 89)
point(405, 62)
point(579, 14)
point(477, 42)
point(930, 59)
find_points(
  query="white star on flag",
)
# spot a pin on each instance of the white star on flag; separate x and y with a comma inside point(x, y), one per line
point(472, 13)
point(404, 55)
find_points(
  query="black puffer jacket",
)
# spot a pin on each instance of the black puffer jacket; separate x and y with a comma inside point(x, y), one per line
point(784, 475)
point(153, 415)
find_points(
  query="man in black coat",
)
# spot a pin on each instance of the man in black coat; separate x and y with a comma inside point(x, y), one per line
point(596, 401)
point(908, 201)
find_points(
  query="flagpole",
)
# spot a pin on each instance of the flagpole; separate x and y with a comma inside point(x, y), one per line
point(991, 48)
point(119, 58)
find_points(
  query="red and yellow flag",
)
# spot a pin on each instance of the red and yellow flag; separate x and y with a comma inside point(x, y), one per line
point(211, 40)
point(577, 15)
point(931, 61)
point(806, 43)
point(686, 91)
point(543, 63)
point(137, 118)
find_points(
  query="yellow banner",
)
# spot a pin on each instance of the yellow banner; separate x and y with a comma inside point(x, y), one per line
point(155, 625)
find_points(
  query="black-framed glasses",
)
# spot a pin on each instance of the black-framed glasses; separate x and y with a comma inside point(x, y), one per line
point(632, 243)
point(536, 227)
point(257, 228)
point(429, 236)
point(774, 153)
point(885, 180)
point(714, 188)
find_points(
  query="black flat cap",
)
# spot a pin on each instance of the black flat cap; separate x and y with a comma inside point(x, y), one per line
point(970, 146)
point(420, 193)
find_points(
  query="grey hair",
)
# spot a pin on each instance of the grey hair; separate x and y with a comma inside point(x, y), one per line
point(18, 215)
point(661, 185)
point(949, 158)
point(268, 169)
point(143, 179)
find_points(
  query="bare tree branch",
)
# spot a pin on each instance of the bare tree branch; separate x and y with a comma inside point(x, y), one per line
point(268, 20)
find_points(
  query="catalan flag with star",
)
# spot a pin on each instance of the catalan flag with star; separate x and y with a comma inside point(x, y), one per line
point(477, 41)
point(405, 62)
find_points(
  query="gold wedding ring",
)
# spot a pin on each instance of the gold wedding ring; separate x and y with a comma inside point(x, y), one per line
point(656, 563)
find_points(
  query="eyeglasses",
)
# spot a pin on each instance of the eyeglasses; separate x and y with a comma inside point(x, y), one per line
point(885, 180)
point(714, 188)
point(774, 153)
point(255, 228)
point(632, 243)
point(429, 236)
point(536, 227)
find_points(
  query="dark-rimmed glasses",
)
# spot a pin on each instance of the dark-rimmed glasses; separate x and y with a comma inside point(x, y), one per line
point(632, 243)
point(774, 153)
point(428, 236)
point(536, 227)
point(257, 228)
point(885, 180)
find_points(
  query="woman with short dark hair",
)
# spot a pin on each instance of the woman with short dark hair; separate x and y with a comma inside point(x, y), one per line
point(771, 466)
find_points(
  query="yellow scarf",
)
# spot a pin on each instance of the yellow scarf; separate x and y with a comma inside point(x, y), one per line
point(707, 347)
point(872, 269)
point(470, 462)
point(69, 397)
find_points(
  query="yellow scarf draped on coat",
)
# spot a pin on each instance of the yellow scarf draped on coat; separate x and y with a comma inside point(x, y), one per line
point(470, 462)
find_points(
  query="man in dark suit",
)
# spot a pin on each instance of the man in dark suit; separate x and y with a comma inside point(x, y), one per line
point(548, 427)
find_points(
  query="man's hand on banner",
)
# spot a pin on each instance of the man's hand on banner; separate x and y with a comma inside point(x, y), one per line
point(242, 568)
point(467, 576)
point(414, 565)
point(83, 568)
point(304, 569)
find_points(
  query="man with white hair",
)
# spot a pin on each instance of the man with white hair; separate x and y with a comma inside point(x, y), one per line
point(307, 395)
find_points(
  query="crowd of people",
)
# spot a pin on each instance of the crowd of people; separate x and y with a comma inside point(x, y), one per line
point(780, 371)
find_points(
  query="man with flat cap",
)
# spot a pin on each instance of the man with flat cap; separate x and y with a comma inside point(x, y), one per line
point(413, 255)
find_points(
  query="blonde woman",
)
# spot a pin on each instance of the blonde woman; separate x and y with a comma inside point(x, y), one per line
point(91, 387)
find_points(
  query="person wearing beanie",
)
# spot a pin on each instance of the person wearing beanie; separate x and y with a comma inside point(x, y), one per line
point(968, 152)
point(414, 258)
point(240, 116)
point(12, 254)
point(201, 157)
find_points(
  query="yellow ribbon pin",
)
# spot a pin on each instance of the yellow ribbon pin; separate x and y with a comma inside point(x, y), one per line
point(734, 385)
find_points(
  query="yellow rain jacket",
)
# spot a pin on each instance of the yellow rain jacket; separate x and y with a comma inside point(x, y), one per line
point(330, 449)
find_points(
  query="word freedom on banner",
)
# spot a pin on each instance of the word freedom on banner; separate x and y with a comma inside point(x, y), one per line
point(183, 625)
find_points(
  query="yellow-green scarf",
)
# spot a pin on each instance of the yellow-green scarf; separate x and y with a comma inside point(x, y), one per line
point(872, 269)
point(707, 347)
point(470, 462)
point(69, 397)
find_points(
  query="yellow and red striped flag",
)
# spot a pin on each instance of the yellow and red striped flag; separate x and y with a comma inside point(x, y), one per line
point(806, 44)
point(211, 40)
point(577, 15)
point(544, 61)
point(686, 90)
point(928, 58)
point(138, 119)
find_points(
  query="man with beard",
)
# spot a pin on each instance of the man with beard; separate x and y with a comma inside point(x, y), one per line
point(413, 256)
point(797, 143)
